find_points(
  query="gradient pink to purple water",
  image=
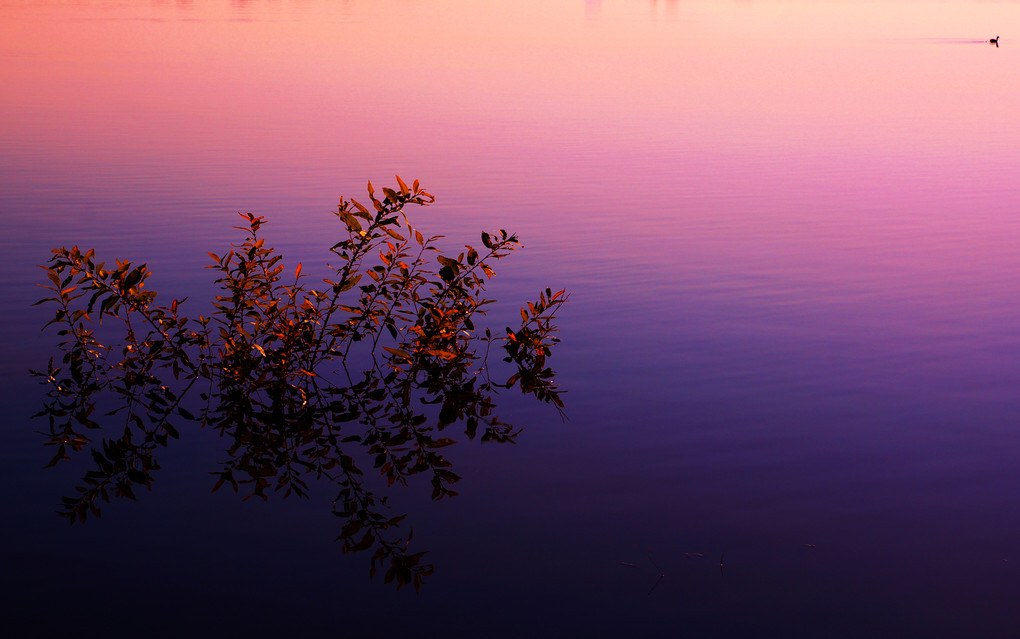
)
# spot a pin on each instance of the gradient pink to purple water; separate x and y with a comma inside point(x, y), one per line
point(790, 230)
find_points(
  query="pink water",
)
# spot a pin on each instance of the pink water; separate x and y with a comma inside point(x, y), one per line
point(790, 230)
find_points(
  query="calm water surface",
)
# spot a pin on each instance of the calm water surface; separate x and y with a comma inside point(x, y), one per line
point(790, 231)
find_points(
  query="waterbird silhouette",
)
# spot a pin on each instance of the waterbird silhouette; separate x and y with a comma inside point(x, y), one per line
point(994, 41)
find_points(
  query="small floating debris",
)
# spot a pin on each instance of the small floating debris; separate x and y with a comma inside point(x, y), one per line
point(659, 570)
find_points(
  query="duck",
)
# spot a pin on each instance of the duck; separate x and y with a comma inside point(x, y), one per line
point(994, 41)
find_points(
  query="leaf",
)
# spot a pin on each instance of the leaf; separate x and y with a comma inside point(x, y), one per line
point(446, 261)
point(352, 222)
point(133, 278)
point(365, 543)
point(441, 443)
point(360, 207)
point(348, 284)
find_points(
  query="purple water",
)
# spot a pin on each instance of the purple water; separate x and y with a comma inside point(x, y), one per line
point(790, 233)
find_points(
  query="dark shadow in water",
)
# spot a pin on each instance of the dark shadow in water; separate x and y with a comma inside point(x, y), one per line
point(303, 382)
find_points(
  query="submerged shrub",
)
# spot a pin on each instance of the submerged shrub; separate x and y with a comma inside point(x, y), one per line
point(303, 381)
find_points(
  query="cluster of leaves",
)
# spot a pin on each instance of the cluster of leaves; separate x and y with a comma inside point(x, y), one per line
point(270, 369)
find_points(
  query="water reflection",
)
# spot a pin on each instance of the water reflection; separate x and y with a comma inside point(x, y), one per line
point(668, 9)
point(302, 383)
point(803, 213)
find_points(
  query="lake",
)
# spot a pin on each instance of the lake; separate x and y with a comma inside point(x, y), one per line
point(790, 231)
